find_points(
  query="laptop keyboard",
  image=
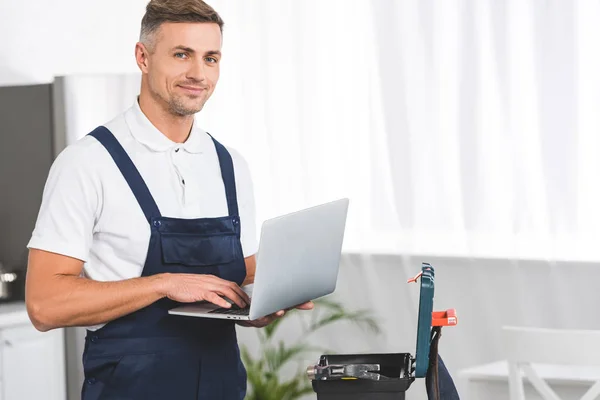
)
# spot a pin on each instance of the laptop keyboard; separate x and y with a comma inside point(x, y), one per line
point(234, 310)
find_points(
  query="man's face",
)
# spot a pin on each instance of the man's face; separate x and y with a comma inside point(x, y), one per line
point(183, 65)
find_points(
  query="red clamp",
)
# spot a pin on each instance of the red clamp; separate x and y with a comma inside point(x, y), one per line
point(444, 318)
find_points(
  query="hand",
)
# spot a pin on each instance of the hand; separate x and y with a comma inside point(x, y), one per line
point(189, 288)
point(309, 305)
point(264, 321)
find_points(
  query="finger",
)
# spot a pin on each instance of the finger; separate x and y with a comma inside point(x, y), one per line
point(262, 322)
point(270, 318)
point(217, 300)
point(239, 291)
point(223, 283)
point(259, 323)
point(233, 296)
point(309, 305)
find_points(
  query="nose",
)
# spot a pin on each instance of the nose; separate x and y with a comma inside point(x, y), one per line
point(196, 71)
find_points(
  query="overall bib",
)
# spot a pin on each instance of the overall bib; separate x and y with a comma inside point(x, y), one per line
point(150, 354)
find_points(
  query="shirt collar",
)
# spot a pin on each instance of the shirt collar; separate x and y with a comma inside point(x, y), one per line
point(147, 134)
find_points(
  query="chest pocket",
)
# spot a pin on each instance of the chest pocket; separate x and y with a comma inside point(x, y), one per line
point(195, 250)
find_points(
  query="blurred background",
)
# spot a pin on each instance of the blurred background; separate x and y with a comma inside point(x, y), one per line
point(465, 134)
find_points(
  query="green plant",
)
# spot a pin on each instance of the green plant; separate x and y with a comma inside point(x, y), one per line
point(264, 378)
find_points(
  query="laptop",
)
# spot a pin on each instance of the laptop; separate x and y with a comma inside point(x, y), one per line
point(297, 261)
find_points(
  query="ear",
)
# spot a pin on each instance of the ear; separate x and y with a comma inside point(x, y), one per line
point(141, 56)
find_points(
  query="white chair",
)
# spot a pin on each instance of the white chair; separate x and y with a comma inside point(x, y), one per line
point(525, 347)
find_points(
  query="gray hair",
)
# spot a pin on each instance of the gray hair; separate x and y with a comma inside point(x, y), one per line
point(160, 11)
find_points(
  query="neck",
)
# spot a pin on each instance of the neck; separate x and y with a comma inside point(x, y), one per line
point(175, 127)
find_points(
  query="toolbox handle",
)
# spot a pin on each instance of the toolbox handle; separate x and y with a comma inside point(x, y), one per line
point(444, 318)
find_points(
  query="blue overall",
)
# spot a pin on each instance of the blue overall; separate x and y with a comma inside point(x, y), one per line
point(150, 354)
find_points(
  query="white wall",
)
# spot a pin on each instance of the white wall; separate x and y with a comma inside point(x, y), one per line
point(42, 39)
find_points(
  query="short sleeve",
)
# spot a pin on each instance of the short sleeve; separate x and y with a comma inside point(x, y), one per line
point(246, 204)
point(70, 204)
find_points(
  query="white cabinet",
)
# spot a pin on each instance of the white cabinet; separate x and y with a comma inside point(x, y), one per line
point(32, 363)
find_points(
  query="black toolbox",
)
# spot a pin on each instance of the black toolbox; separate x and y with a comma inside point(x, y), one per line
point(383, 376)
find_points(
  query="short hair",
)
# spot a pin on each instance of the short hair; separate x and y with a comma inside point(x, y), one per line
point(160, 11)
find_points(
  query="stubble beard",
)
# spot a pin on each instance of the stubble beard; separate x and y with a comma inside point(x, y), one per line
point(176, 105)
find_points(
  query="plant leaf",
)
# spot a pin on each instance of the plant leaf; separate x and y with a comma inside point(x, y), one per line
point(270, 329)
point(277, 357)
point(329, 304)
point(357, 317)
point(294, 388)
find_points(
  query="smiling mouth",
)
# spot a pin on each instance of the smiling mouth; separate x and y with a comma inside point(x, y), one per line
point(192, 89)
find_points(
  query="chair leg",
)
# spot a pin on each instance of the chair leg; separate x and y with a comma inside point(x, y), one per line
point(515, 382)
point(539, 384)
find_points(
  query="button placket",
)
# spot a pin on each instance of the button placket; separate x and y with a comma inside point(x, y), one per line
point(176, 164)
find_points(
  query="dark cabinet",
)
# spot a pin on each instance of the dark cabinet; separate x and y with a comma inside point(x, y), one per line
point(25, 159)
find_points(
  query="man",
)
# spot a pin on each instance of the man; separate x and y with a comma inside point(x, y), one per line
point(146, 212)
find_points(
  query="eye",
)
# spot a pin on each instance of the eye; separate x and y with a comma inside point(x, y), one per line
point(183, 56)
point(213, 60)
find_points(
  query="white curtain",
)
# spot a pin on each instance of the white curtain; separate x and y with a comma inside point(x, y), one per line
point(456, 128)
point(296, 97)
point(464, 132)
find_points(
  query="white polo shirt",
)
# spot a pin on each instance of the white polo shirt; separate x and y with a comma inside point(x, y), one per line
point(89, 212)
